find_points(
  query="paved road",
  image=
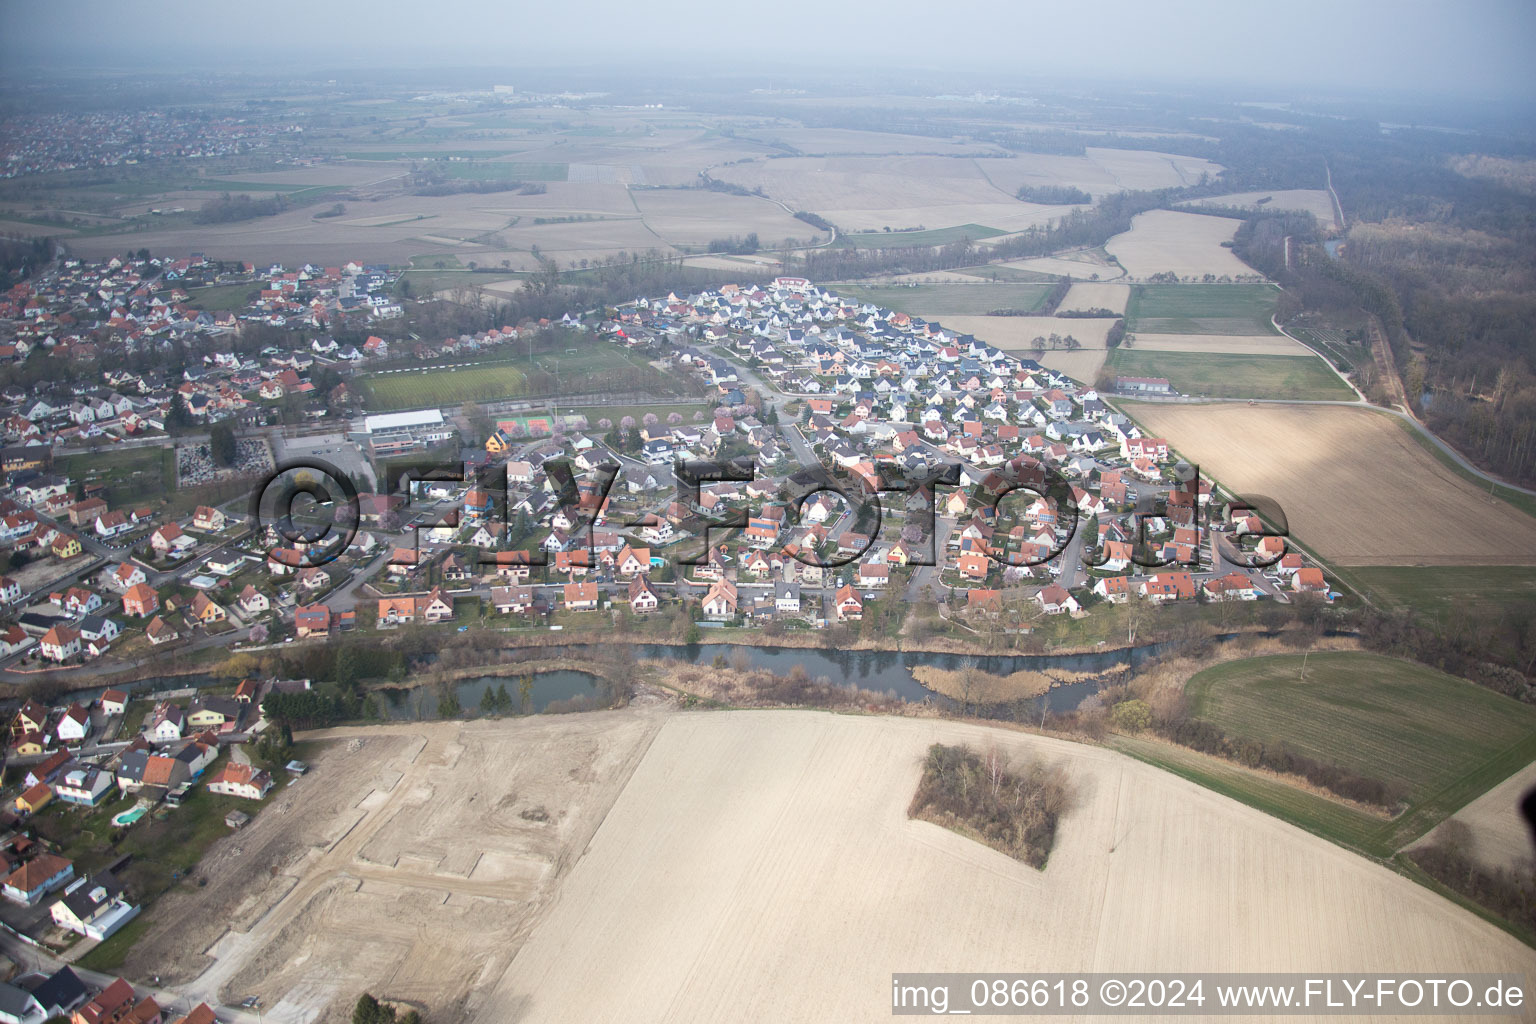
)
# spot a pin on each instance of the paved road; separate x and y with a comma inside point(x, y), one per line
point(176, 1003)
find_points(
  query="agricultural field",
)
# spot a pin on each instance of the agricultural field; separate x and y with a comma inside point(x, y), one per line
point(869, 194)
point(1016, 334)
point(413, 389)
point(1186, 244)
point(1315, 201)
point(1082, 366)
point(1201, 309)
point(1090, 265)
point(1098, 171)
point(951, 298)
point(1440, 591)
point(1229, 344)
point(1085, 296)
point(1333, 343)
point(1500, 836)
point(750, 846)
point(694, 217)
point(1225, 375)
point(1398, 721)
point(904, 239)
point(1355, 486)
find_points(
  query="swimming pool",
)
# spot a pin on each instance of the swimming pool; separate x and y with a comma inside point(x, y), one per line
point(129, 816)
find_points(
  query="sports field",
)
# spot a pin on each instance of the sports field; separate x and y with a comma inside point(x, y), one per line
point(1227, 375)
point(1201, 309)
point(417, 390)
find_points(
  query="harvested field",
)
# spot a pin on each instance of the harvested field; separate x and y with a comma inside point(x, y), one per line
point(1082, 366)
point(1315, 201)
point(909, 239)
point(1079, 266)
point(751, 848)
point(1087, 296)
point(1138, 169)
point(1186, 244)
point(956, 298)
point(694, 217)
point(1234, 344)
point(1235, 375)
point(1016, 334)
point(472, 226)
point(1500, 835)
point(1098, 171)
point(410, 863)
point(1355, 486)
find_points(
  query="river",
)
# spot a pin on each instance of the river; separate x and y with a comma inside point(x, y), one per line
point(881, 671)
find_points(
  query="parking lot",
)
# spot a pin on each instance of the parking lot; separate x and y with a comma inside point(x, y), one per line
point(332, 448)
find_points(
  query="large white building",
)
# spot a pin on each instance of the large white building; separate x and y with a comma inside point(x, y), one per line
point(393, 432)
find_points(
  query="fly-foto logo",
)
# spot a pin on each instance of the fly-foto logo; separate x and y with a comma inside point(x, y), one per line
point(312, 511)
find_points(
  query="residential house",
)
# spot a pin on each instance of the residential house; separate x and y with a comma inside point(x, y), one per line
point(84, 786)
point(167, 723)
point(127, 575)
point(60, 643)
point(170, 541)
point(514, 599)
point(37, 878)
point(94, 907)
point(253, 601)
point(160, 632)
point(849, 605)
point(580, 596)
point(720, 602)
point(311, 620)
point(209, 520)
point(207, 611)
point(74, 726)
point(642, 596)
point(1054, 600)
point(242, 780)
point(140, 600)
point(34, 798)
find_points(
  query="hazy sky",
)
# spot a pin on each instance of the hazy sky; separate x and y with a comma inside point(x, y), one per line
point(1470, 47)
